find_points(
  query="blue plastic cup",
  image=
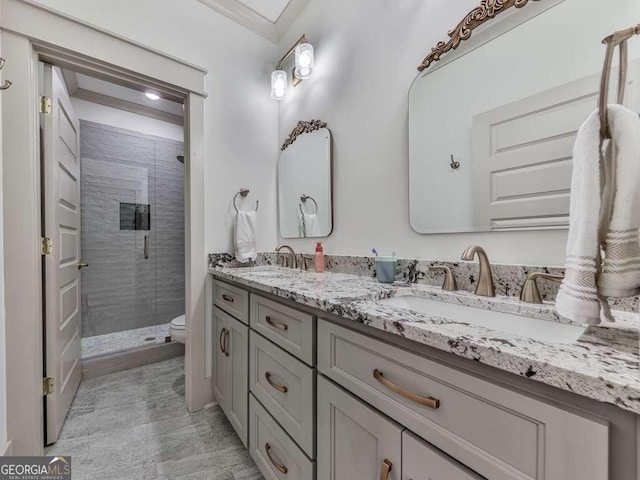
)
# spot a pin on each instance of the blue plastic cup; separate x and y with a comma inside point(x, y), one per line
point(386, 269)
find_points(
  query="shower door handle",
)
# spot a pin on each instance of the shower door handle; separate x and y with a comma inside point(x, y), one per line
point(146, 247)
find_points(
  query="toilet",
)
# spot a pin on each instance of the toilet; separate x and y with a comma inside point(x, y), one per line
point(177, 329)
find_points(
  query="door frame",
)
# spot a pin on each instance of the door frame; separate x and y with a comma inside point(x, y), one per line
point(30, 33)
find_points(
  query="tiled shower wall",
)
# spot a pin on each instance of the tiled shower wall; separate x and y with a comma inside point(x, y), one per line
point(121, 290)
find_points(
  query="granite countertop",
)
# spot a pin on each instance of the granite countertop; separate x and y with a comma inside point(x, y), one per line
point(603, 364)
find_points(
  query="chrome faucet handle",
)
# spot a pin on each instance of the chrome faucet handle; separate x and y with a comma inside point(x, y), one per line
point(303, 261)
point(291, 259)
point(485, 286)
point(529, 292)
point(449, 284)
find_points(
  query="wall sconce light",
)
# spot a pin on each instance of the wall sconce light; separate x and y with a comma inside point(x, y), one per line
point(279, 84)
point(304, 62)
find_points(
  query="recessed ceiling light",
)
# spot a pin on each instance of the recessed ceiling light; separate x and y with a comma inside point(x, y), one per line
point(152, 95)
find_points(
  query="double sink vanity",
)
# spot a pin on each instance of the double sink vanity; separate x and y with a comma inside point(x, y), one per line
point(335, 376)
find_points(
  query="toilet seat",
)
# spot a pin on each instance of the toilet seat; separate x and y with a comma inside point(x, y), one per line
point(178, 323)
point(178, 330)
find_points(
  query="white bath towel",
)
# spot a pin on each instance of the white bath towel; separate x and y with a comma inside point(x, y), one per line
point(245, 236)
point(598, 175)
point(311, 225)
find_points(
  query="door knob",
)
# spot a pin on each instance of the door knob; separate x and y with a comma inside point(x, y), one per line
point(82, 265)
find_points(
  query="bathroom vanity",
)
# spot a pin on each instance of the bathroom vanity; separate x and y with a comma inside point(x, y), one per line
point(322, 377)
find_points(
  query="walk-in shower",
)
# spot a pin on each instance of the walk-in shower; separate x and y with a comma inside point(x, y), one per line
point(132, 192)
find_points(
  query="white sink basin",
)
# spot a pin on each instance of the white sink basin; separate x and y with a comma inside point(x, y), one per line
point(543, 330)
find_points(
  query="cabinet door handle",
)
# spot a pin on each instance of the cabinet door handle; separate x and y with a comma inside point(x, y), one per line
point(280, 388)
point(227, 298)
point(279, 326)
point(385, 470)
point(146, 247)
point(429, 402)
point(281, 468)
point(221, 340)
point(226, 342)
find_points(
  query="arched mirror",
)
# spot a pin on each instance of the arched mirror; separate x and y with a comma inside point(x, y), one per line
point(305, 208)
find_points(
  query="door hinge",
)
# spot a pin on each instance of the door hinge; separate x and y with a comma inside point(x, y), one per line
point(46, 246)
point(47, 385)
point(45, 105)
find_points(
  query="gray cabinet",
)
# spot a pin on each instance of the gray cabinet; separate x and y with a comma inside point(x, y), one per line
point(277, 456)
point(356, 416)
point(286, 387)
point(230, 370)
point(355, 441)
point(498, 432)
point(420, 460)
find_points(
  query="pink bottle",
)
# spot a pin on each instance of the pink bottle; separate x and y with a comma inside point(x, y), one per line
point(318, 260)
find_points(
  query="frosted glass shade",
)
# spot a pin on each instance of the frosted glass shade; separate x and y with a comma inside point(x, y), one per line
point(279, 84)
point(304, 60)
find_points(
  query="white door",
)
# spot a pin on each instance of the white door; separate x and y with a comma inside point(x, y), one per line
point(523, 155)
point(61, 195)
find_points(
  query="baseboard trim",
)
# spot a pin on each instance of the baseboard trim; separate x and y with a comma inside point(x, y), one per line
point(7, 449)
point(118, 362)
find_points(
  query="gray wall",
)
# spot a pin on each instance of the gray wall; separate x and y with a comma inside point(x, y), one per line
point(120, 289)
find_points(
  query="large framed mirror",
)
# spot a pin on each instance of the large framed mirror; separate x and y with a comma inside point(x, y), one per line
point(305, 206)
point(492, 122)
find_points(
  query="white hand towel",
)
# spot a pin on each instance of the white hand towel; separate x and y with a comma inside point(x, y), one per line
point(579, 298)
point(312, 225)
point(620, 276)
point(245, 236)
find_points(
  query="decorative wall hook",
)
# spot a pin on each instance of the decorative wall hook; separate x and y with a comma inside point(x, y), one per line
point(454, 165)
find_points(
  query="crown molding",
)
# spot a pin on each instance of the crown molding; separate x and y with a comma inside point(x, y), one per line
point(249, 18)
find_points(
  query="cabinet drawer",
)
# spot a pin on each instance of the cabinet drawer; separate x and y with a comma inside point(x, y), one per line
point(275, 454)
point(286, 388)
point(232, 300)
point(420, 460)
point(497, 432)
point(354, 440)
point(288, 328)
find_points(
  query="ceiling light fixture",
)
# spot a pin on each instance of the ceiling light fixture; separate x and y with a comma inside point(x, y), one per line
point(152, 96)
point(303, 51)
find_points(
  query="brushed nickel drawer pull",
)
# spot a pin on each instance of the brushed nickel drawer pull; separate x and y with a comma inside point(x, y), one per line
point(222, 332)
point(279, 326)
point(281, 468)
point(227, 298)
point(280, 388)
point(429, 402)
point(226, 342)
point(386, 470)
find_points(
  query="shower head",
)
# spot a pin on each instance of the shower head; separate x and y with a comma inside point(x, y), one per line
point(180, 158)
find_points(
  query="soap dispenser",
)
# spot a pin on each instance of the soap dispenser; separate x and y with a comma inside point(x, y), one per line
point(318, 259)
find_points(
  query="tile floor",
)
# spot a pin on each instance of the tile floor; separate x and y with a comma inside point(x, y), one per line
point(125, 340)
point(133, 425)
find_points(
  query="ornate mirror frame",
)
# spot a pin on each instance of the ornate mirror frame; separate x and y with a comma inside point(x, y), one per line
point(300, 128)
point(487, 11)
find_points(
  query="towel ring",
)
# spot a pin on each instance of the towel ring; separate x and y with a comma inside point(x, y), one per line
point(243, 193)
point(304, 199)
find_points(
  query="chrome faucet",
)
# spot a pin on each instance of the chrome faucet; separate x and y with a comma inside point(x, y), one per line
point(530, 292)
point(485, 286)
point(290, 260)
point(449, 284)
